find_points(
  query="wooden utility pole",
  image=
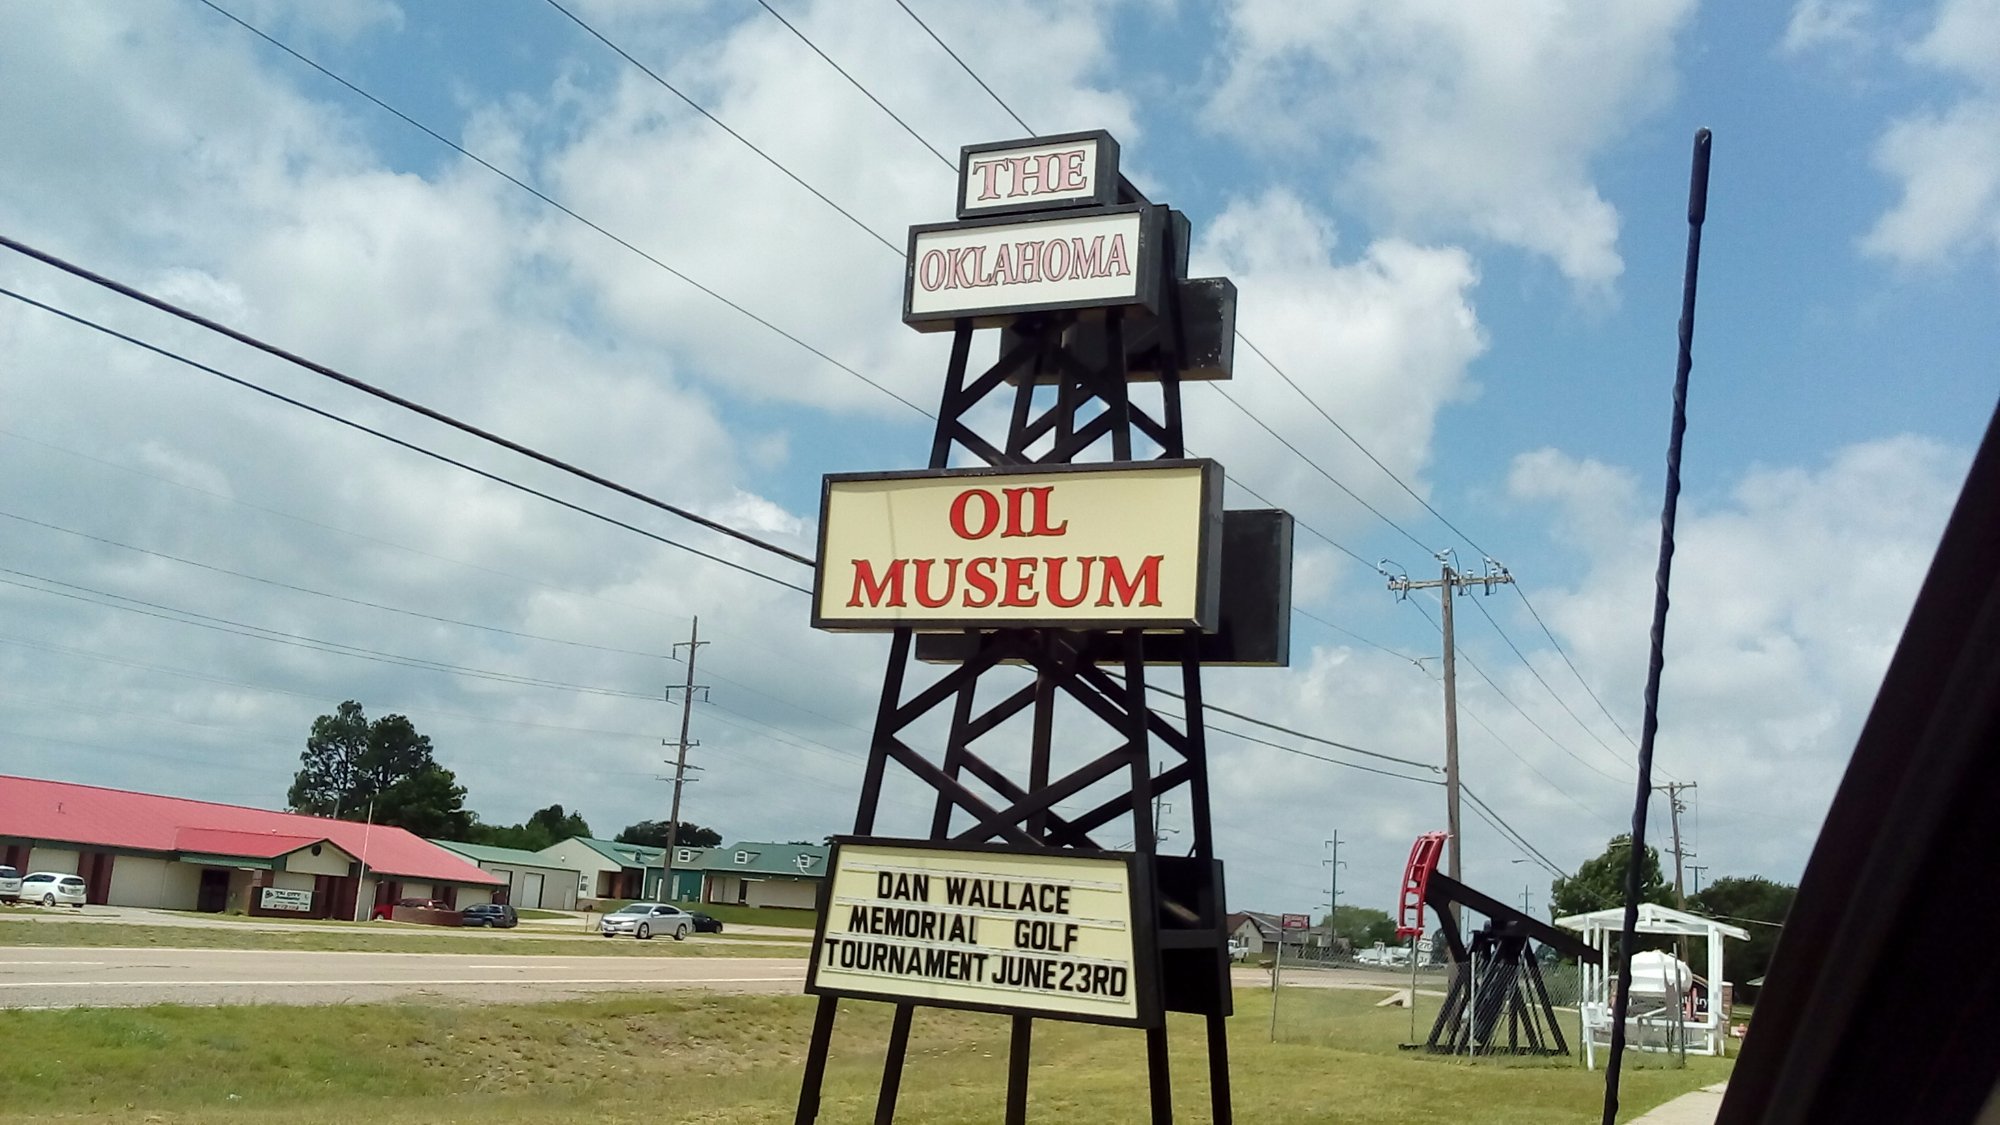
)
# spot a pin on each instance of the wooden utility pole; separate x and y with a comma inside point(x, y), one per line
point(1448, 583)
point(693, 645)
point(1675, 807)
point(1333, 867)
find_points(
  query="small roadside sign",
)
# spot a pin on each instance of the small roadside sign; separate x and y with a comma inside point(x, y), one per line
point(1294, 922)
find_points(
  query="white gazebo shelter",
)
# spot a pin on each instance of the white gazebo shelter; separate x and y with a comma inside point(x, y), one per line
point(1706, 1034)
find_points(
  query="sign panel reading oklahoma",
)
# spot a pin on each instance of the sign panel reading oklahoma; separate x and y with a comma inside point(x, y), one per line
point(1074, 546)
point(1042, 934)
point(989, 271)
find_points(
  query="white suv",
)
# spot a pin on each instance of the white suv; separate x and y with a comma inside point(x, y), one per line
point(10, 884)
point(52, 887)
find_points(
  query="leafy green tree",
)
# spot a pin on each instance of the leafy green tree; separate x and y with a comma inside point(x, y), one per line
point(558, 824)
point(429, 802)
point(542, 828)
point(1599, 883)
point(653, 834)
point(1362, 926)
point(1746, 901)
point(350, 764)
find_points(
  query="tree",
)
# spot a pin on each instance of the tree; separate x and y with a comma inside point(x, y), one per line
point(558, 825)
point(542, 828)
point(349, 763)
point(1745, 902)
point(1600, 883)
point(653, 834)
point(429, 802)
point(1362, 926)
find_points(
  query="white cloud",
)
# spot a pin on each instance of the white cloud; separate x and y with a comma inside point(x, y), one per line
point(1825, 24)
point(1946, 161)
point(1383, 340)
point(1788, 596)
point(1477, 118)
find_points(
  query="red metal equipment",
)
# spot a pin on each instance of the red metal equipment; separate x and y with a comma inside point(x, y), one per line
point(1416, 878)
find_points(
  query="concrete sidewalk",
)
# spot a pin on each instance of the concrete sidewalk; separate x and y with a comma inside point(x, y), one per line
point(1697, 1108)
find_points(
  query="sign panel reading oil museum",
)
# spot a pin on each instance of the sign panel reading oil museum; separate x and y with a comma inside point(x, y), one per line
point(1101, 546)
point(987, 927)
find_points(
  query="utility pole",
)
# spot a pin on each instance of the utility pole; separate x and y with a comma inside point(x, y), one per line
point(1675, 807)
point(1697, 868)
point(1160, 808)
point(1527, 889)
point(1333, 867)
point(693, 645)
point(1451, 582)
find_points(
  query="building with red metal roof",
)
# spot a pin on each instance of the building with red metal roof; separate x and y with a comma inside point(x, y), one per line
point(142, 849)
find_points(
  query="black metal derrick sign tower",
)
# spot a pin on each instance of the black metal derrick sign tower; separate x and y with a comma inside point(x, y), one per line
point(1082, 547)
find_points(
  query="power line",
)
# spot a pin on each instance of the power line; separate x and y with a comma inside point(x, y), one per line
point(696, 106)
point(1509, 700)
point(333, 597)
point(1301, 454)
point(1533, 671)
point(948, 162)
point(558, 205)
point(794, 339)
point(1572, 666)
point(411, 446)
point(962, 66)
point(1252, 345)
point(391, 397)
point(1509, 830)
point(349, 532)
point(295, 640)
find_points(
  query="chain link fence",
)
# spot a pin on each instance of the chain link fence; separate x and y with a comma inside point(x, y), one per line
point(1383, 1000)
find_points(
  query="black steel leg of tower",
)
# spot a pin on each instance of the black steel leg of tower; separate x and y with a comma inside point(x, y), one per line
point(1218, 1070)
point(1041, 748)
point(1160, 1075)
point(892, 1064)
point(1017, 1070)
point(885, 721)
point(822, 1038)
point(949, 406)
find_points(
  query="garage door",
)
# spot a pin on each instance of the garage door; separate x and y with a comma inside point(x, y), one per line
point(531, 890)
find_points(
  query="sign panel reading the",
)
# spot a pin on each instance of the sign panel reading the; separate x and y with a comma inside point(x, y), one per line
point(1039, 933)
point(1075, 546)
point(1077, 169)
point(990, 270)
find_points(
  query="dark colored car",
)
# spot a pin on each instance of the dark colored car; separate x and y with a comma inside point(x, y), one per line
point(703, 924)
point(498, 915)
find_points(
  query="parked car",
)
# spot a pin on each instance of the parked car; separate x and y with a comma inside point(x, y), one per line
point(497, 915)
point(644, 919)
point(1238, 949)
point(10, 884)
point(52, 887)
point(705, 924)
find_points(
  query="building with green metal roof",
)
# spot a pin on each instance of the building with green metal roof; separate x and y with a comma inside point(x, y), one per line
point(534, 882)
point(760, 873)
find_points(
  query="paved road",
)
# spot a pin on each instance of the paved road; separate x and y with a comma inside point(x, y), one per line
point(537, 928)
point(44, 976)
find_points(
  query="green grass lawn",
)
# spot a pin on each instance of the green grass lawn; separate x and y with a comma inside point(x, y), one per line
point(698, 1058)
point(366, 938)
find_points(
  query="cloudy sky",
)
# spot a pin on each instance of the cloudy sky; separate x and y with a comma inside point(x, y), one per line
point(1458, 228)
